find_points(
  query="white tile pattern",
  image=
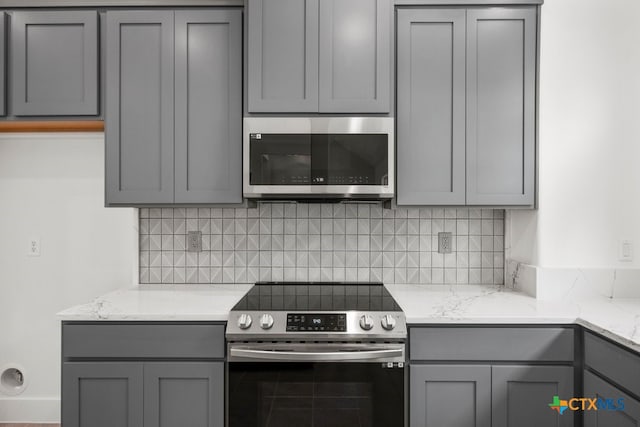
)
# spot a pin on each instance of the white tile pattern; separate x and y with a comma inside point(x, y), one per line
point(328, 242)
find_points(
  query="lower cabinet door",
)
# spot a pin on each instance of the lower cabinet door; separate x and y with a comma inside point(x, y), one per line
point(179, 394)
point(100, 394)
point(450, 395)
point(521, 395)
point(614, 415)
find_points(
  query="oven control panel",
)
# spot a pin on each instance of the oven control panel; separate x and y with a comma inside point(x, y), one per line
point(316, 322)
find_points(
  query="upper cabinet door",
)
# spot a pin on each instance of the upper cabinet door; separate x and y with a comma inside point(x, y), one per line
point(431, 107)
point(54, 63)
point(208, 113)
point(501, 81)
point(283, 56)
point(3, 62)
point(355, 58)
point(139, 126)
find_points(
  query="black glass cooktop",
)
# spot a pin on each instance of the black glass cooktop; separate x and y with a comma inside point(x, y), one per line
point(285, 296)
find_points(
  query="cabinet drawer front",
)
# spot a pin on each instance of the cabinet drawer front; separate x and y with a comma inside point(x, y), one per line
point(145, 341)
point(615, 363)
point(494, 344)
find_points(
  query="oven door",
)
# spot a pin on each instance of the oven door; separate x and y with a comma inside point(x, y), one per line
point(327, 385)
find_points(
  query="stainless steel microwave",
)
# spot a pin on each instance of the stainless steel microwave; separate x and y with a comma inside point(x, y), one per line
point(318, 158)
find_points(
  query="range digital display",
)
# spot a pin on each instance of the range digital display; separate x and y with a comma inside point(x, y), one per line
point(316, 322)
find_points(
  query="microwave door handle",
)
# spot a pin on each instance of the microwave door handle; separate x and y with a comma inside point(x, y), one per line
point(315, 356)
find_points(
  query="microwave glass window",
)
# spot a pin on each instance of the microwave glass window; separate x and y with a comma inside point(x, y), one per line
point(349, 159)
point(280, 159)
point(319, 159)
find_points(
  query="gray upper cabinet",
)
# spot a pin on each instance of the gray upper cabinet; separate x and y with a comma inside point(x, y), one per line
point(208, 113)
point(501, 100)
point(54, 63)
point(354, 56)
point(140, 96)
point(431, 107)
point(315, 56)
point(3, 62)
point(466, 107)
point(283, 55)
point(147, 163)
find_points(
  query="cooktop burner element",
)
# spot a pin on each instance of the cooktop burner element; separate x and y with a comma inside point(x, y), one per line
point(317, 296)
point(317, 311)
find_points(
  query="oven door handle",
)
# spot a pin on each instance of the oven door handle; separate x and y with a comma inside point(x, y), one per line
point(315, 356)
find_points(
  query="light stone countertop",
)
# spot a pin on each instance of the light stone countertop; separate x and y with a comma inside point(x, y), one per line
point(161, 302)
point(616, 318)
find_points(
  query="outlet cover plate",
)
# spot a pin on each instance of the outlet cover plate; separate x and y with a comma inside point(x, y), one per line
point(194, 241)
point(444, 242)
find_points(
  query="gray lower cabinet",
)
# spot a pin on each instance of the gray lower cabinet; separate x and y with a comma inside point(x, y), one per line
point(622, 416)
point(184, 394)
point(315, 56)
point(520, 395)
point(466, 82)
point(174, 112)
point(488, 376)
point(149, 394)
point(54, 63)
point(450, 395)
point(611, 373)
point(102, 394)
point(173, 375)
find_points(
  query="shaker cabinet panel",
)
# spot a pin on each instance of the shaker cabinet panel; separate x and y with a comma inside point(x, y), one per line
point(431, 106)
point(101, 394)
point(450, 395)
point(184, 394)
point(3, 63)
point(54, 57)
point(283, 56)
point(355, 58)
point(501, 81)
point(139, 126)
point(208, 114)
point(596, 387)
point(521, 394)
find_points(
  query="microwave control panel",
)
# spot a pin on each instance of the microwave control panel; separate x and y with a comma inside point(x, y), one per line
point(316, 322)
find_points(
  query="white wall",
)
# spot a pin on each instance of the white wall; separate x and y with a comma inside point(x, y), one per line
point(52, 186)
point(589, 147)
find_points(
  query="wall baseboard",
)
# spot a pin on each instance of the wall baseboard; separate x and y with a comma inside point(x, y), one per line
point(29, 410)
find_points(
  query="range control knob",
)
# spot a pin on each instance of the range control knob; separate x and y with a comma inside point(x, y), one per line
point(366, 322)
point(244, 321)
point(388, 322)
point(266, 321)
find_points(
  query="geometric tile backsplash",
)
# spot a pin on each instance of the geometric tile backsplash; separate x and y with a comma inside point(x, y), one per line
point(344, 242)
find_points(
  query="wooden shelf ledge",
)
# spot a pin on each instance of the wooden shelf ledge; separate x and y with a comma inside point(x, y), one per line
point(52, 126)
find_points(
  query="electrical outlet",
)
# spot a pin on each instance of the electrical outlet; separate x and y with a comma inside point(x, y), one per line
point(194, 241)
point(34, 247)
point(444, 242)
point(626, 251)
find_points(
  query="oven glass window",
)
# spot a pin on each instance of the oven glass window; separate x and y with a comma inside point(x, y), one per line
point(315, 395)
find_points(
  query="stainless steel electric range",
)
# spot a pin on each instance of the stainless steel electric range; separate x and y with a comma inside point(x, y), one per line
point(316, 354)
